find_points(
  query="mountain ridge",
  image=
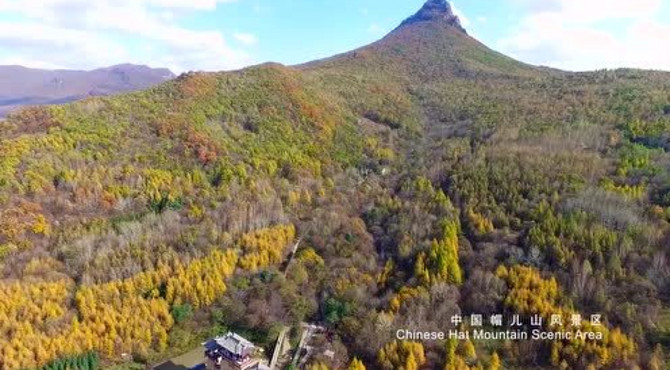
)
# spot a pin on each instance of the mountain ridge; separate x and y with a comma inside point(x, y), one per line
point(29, 86)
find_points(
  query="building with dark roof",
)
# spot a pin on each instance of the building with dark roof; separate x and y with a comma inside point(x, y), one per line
point(230, 352)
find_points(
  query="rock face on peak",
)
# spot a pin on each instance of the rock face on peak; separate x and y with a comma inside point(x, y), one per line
point(435, 11)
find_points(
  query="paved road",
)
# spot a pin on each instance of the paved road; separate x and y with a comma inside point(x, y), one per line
point(278, 347)
point(306, 332)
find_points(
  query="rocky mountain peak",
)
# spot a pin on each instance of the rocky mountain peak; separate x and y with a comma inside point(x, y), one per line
point(435, 11)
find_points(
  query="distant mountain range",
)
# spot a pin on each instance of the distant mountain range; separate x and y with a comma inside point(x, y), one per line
point(20, 86)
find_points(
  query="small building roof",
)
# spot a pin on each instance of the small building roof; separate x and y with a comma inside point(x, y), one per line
point(232, 343)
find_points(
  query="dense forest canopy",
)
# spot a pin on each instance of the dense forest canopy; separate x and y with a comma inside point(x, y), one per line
point(425, 176)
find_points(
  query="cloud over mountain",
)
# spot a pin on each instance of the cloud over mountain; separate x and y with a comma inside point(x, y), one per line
point(586, 35)
point(90, 33)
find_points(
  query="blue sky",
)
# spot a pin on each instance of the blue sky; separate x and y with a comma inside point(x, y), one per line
point(229, 34)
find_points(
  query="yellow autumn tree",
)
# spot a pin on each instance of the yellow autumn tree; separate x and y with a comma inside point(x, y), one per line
point(265, 247)
point(318, 366)
point(440, 263)
point(479, 223)
point(356, 364)
point(202, 281)
point(529, 293)
point(126, 316)
point(401, 355)
point(494, 362)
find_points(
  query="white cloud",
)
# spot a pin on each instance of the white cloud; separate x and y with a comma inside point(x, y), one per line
point(594, 34)
point(593, 10)
point(95, 33)
point(376, 29)
point(37, 5)
point(42, 45)
point(246, 38)
point(186, 4)
point(465, 21)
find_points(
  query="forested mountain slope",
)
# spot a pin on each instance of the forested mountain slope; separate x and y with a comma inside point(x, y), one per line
point(425, 174)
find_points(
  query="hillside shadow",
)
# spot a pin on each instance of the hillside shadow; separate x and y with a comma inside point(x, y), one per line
point(170, 366)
